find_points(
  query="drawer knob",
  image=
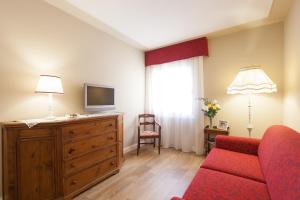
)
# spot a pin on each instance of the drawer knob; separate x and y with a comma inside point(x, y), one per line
point(94, 146)
point(112, 163)
point(111, 150)
point(71, 151)
point(73, 182)
point(72, 132)
point(109, 125)
point(110, 138)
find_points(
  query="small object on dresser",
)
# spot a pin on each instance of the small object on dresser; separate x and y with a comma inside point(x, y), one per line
point(223, 125)
point(73, 115)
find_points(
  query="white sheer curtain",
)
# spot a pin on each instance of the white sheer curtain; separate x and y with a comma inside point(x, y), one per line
point(172, 92)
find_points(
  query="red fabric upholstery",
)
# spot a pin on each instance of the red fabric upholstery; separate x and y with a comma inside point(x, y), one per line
point(177, 198)
point(149, 134)
point(213, 185)
point(238, 144)
point(279, 155)
point(225, 174)
point(184, 50)
point(239, 164)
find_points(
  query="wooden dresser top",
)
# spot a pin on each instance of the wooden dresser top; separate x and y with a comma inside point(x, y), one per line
point(60, 120)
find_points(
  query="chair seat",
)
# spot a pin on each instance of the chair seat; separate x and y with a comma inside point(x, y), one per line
point(149, 134)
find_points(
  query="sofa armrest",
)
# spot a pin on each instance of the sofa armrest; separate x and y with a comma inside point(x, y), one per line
point(238, 144)
point(177, 198)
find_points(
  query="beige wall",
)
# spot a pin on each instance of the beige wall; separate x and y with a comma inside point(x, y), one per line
point(260, 46)
point(292, 67)
point(37, 38)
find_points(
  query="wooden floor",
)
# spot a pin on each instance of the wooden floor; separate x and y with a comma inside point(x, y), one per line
point(148, 176)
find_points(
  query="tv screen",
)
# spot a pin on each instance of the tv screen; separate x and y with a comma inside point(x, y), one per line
point(99, 97)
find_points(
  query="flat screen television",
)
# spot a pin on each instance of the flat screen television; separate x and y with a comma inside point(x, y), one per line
point(98, 97)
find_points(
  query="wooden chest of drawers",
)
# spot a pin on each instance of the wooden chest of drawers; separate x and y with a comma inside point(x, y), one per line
point(58, 160)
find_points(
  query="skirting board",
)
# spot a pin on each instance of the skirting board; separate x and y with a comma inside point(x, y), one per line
point(134, 147)
point(130, 148)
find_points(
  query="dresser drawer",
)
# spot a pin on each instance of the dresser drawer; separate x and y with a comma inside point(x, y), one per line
point(108, 125)
point(88, 129)
point(85, 177)
point(87, 145)
point(77, 164)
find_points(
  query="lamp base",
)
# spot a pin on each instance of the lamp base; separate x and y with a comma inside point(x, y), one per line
point(50, 107)
point(249, 128)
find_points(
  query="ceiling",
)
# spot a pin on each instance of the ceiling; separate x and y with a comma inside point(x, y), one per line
point(150, 24)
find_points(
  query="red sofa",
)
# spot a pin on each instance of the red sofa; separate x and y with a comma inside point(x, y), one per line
point(250, 169)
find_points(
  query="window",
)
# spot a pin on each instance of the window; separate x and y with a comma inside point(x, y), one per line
point(172, 93)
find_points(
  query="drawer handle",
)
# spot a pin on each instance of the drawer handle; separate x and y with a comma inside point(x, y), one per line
point(94, 146)
point(71, 151)
point(72, 132)
point(110, 138)
point(111, 150)
point(112, 163)
point(73, 182)
point(109, 125)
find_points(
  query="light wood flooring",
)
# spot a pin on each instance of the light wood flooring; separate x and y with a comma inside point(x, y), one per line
point(148, 176)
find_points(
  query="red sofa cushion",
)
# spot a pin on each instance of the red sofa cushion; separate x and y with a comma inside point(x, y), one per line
point(213, 185)
point(238, 144)
point(279, 156)
point(239, 164)
point(177, 198)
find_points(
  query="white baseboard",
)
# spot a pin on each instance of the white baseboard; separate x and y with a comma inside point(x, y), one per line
point(130, 148)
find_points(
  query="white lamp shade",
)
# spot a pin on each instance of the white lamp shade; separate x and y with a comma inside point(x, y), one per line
point(251, 80)
point(49, 84)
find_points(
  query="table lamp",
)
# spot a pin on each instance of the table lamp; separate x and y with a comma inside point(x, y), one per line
point(251, 80)
point(50, 85)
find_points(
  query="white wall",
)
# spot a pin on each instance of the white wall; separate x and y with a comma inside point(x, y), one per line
point(292, 67)
point(37, 38)
point(227, 54)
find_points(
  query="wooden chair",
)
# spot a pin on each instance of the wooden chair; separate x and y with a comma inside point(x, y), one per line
point(148, 121)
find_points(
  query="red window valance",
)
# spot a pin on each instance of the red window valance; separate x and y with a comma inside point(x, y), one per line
point(184, 50)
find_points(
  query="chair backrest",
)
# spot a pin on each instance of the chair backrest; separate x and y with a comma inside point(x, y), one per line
point(147, 120)
point(279, 157)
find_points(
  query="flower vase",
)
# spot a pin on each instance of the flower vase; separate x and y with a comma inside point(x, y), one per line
point(210, 122)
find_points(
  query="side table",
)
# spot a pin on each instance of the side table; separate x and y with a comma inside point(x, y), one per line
point(210, 133)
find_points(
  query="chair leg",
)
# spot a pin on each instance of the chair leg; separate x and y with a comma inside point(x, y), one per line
point(138, 147)
point(159, 145)
point(153, 142)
